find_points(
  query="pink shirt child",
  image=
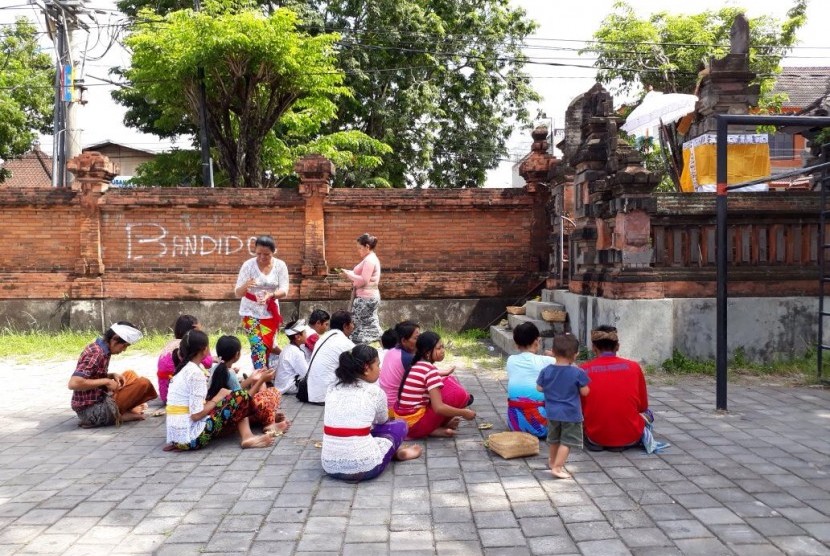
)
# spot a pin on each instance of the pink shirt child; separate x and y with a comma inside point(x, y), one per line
point(165, 367)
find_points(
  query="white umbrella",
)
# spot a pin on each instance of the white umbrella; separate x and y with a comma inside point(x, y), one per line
point(657, 108)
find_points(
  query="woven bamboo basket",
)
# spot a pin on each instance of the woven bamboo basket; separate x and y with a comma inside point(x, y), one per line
point(512, 444)
point(515, 310)
point(553, 315)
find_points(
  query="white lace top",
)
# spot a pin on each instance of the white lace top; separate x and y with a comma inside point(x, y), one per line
point(188, 388)
point(275, 280)
point(356, 406)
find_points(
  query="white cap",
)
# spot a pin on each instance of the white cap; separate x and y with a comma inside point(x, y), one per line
point(127, 333)
point(297, 327)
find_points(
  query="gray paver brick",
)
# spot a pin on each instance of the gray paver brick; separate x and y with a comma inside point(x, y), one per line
point(458, 548)
point(366, 549)
point(624, 519)
point(775, 526)
point(491, 538)
point(542, 526)
point(591, 530)
point(724, 485)
point(603, 548)
point(411, 540)
point(683, 529)
point(737, 534)
point(716, 516)
point(702, 547)
point(800, 546)
point(491, 520)
point(455, 531)
point(644, 537)
point(766, 549)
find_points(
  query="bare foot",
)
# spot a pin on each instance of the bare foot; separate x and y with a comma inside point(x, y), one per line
point(130, 416)
point(407, 452)
point(453, 423)
point(259, 441)
point(281, 426)
point(560, 473)
point(443, 433)
point(139, 409)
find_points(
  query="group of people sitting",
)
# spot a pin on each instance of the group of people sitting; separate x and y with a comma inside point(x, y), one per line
point(601, 405)
point(374, 400)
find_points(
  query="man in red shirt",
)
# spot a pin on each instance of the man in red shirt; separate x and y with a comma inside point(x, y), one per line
point(618, 397)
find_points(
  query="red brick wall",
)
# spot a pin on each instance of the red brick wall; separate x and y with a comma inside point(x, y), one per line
point(188, 243)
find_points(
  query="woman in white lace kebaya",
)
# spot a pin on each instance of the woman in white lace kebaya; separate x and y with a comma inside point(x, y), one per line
point(359, 440)
point(193, 422)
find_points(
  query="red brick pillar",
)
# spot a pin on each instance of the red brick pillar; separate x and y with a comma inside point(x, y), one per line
point(315, 172)
point(535, 169)
point(93, 175)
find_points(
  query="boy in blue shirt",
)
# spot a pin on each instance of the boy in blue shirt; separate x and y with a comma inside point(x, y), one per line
point(563, 384)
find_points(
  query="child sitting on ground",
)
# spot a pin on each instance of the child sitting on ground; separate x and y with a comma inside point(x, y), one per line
point(388, 340)
point(292, 364)
point(563, 384)
point(265, 400)
point(319, 322)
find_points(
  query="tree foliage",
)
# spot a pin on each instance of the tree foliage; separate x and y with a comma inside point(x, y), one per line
point(439, 81)
point(666, 51)
point(269, 86)
point(26, 90)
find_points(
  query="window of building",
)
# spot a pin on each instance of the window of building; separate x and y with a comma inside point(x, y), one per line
point(781, 146)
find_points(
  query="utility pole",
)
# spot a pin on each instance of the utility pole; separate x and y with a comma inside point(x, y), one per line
point(63, 19)
point(58, 120)
point(204, 141)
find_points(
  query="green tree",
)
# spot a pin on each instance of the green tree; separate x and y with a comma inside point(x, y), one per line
point(440, 81)
point(26, 90)
point(269, 86)
point(666, 51)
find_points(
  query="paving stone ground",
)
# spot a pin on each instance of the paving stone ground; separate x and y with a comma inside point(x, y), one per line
point(753, 482)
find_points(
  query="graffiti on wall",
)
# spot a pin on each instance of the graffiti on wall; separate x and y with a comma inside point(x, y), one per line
point(153, 241)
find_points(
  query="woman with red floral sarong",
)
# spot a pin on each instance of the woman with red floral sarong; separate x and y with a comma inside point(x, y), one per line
point(261, 282)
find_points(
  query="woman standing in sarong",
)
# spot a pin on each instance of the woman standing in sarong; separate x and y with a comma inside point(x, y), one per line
point(261, 282)
point(365, 278)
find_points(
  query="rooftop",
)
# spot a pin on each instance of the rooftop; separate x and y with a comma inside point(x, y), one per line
point(32, 169)
point(804, 85)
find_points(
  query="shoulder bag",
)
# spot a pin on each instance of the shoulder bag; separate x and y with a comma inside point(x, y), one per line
point(302, 383)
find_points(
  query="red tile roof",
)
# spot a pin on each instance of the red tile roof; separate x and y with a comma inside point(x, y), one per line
point(32, 169)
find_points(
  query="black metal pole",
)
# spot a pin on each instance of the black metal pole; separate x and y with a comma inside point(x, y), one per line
point(723, 123)
point(720, 253)
point(204, 142)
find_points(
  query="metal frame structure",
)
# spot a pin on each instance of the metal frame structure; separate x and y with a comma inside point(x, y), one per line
point(723, 123)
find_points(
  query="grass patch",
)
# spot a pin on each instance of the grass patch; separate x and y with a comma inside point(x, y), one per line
point(465, 349)
point(802, 367)
point(39, 345)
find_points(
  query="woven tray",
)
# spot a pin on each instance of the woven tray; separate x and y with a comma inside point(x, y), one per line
point(552, 315)
point(514, 310)
point(513, 444)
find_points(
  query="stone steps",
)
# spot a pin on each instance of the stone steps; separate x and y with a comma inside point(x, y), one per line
point(534, 309)
point(502, 336)
point(545, 328)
